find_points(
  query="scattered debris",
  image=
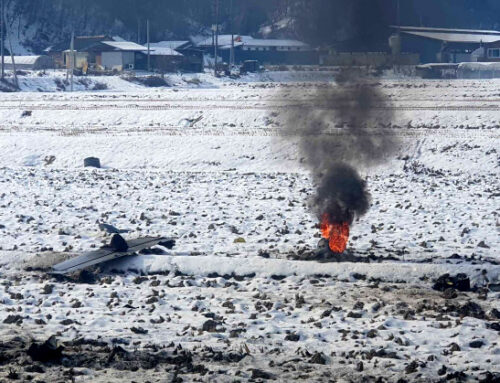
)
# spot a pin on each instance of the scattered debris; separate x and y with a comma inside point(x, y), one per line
point(47, 351)
point(118, 248)
point(138, 330)
point(459, 282)
point(92, 162)
point(476, 344)
point(110, 229)
point(49, 160)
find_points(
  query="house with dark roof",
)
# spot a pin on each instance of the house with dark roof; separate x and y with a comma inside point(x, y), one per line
point(169, 56)
point(445, 45)
point(119, 55)
point(81, 44)
point(98, 52)
point(163, 59)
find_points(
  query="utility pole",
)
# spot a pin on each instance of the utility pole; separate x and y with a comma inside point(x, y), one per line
point(231, 58)
point(72, 58)
point(2, 6)
point(399, 17)
point(149, 49)
point(138, 31)
point(4, 21)
point(216, 46)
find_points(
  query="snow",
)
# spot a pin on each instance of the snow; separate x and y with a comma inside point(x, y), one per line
point(205, 161)
point(265, 268)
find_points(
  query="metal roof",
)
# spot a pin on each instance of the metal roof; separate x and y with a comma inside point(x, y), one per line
point(274, 43)
point(456, 37)
point(82, 43)
point(170, 44)
point(22, 60)
point(225, 40)
point(446, 30)
point(125, 46)
point(223, 47)
point(162, 51)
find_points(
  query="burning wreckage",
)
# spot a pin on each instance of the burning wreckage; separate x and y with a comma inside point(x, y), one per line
point(335, 143)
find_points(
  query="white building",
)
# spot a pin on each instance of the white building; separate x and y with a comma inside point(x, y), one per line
point(29, 62)
point(121, 55)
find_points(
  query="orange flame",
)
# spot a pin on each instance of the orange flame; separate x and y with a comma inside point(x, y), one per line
point(336, 233)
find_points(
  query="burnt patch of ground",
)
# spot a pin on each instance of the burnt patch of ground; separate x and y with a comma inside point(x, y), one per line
point(29, 358)
point(226, 328)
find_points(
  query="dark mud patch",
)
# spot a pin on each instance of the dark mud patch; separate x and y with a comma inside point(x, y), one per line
point(24, 355)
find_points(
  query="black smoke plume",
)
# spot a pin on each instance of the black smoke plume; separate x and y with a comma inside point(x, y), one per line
point(344, 128)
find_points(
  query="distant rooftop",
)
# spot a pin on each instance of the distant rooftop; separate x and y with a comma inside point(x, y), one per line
point(170, 44)
point(275, 43)
point(125, 46)
point(449, 35)
point(81, 43)
point(225, 41)
point(162, 51)
point(21, 60)
point(446, 30)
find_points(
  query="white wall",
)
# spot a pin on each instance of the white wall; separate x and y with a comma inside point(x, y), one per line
point(112, 60)
point(128, 58)
point(117, 60)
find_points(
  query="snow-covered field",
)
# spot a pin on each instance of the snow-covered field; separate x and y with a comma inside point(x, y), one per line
point(207, 164)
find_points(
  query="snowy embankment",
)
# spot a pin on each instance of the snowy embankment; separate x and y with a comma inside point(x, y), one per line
point(265, 268)
point(58, 80)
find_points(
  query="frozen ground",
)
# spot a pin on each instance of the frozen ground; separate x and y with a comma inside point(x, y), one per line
point(207, 166)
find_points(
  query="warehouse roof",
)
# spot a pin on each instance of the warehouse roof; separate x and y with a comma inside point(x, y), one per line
point(456, 37)
point(451, 30)
point(453, 35)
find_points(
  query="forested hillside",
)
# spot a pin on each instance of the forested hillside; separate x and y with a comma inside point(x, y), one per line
point(36, 24)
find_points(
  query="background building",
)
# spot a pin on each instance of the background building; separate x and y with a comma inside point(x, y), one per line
point(120, 55)
point(266, 51)
point(182, 55)
point(444, 45)
point(29, 62)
